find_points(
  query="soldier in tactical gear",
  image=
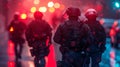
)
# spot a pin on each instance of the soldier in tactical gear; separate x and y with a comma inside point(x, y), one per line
point(74, 37)
point(98, 32)
point(16, 31)
point(37, 34)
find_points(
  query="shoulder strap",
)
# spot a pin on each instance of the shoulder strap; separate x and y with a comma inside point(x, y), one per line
point(67, 23)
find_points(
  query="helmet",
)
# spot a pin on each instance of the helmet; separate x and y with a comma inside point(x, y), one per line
point(73, 11)
point(91, 12)
point(38, 15)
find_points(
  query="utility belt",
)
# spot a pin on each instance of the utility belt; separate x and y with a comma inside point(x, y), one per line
point(20, 40)
point(73, 46)
point(39, 48)
point(82, 53)
point(41, 52)
point(33, 42)
point(94, 49)
point(64, 49)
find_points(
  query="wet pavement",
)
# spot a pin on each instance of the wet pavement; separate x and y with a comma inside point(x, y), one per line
point(110, 58)
point(7, 57)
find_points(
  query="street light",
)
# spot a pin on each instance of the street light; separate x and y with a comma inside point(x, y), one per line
point(117, 5)
point(50, 4)
point(23, 16)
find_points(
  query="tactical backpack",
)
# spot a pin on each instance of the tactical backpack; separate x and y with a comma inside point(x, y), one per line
point(99, 36)
point(72, 36)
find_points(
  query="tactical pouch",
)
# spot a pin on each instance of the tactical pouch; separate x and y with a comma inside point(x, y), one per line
point(32, 52)
point(63, 49)
point(47, 51)
point(93, 49)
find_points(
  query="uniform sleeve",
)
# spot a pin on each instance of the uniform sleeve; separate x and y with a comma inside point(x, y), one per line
point(49, 32)
point(28, 32)
point(102, 41)
point(88, 37)
point(103, 33)
point(24, 26)
point(58, 35)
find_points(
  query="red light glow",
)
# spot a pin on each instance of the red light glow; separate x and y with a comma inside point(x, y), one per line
point(11, 64)
point(99, 7)
point(11, 29)
point(62, 7)
point(10, 48)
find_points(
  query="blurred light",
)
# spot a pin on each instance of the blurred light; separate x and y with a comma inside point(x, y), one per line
point(46, 59)
point(23, 16)
point(62, 7)
point(50, 59)
point(112, 58)
point(51, 9)
point(115, 23)
point(11, 29)
point(99, 7)
point(36, 1)
point(11, 44)
point(31, 64)
point(112, 32)
point(102, 21)
point(42, 9)
point(117, 4)
point(10, 49)
point(50, 4)
point(57, 5)
point(11, 64)
point(17, 13)
point(33, 9)
point(19, 4)
point(30, 15)
point(117, 65)
point(112, 54)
